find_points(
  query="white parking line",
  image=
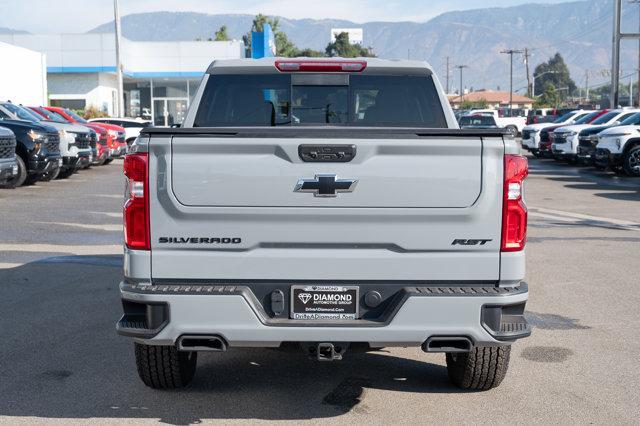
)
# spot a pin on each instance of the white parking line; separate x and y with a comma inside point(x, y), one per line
point(62, 248)
point(564, 216)
point(7, 265)
point(118, 215)
point(551, 217)
point(585, 216)
point(107, 195)
point(101, 227)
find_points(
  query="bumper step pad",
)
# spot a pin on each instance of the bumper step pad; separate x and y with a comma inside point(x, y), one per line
point(506, 322)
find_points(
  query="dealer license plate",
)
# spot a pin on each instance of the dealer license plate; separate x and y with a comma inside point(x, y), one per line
point(327, 302)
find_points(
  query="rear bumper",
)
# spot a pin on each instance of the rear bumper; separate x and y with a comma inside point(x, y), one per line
point(160, 314)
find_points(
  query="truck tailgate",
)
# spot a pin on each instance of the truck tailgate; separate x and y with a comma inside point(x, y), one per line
point(245, 172)
point(224, 208)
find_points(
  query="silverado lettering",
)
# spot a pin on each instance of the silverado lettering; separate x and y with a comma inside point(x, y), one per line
point(199, 240)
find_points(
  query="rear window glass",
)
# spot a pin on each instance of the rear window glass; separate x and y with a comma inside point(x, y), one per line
point(477, 120)
point(365, 100)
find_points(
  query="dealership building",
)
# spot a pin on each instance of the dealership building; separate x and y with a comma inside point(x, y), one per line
point(160, 78)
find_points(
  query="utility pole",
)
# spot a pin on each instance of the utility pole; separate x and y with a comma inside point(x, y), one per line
point(586, 83)
point(526, 64)
point(638, 88)
point(461, 67)
point(447, 75)
point(615, 55)
point(120, 90)
point(511, 52)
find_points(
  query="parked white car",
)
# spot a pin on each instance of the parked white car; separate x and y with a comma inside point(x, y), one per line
point(531, 133)
point(619, 147)
point(513, 125)
point(132, 126)
point(566, 139)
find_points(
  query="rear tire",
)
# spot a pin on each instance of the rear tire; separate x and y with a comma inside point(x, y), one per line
point(631, 162)
point(107, 161)
point(481, 369)
point(164, 367)
point(512, 131)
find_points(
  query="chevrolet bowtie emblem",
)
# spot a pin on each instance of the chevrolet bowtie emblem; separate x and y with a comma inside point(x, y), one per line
point(325, 185)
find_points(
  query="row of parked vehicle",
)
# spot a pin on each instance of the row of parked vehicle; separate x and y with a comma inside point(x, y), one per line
point(44, 143)
point(608, 138)
point(513, 121)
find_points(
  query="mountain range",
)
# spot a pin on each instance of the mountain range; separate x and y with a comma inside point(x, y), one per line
point(579, 30)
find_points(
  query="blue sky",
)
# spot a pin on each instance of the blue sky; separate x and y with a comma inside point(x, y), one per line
point(54, 16)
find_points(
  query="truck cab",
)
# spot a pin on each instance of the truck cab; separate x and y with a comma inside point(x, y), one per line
point(333, 204)
point(512, 125)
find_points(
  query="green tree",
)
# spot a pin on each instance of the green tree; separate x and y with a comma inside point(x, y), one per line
point(284, 47)
point(550, 97)
point(221, 34)
point(343, 48)
point(556, 72)
point(310, 53)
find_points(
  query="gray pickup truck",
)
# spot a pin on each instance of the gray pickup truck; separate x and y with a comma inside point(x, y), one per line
point(331, 204)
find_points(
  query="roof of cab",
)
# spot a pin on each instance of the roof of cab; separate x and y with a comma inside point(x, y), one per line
point(267, 65)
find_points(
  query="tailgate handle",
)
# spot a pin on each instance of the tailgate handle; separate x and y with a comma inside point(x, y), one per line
point(327, 153)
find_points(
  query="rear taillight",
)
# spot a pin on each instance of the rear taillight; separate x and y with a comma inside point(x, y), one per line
point(320, 66)
point(514, 210)
point(136, 208)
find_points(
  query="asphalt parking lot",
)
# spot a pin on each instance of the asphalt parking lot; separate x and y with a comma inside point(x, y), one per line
point(61, 359)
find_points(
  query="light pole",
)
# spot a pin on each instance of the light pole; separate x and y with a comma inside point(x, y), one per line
point(637, 2)
point(461, 67)
point(120, 90)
